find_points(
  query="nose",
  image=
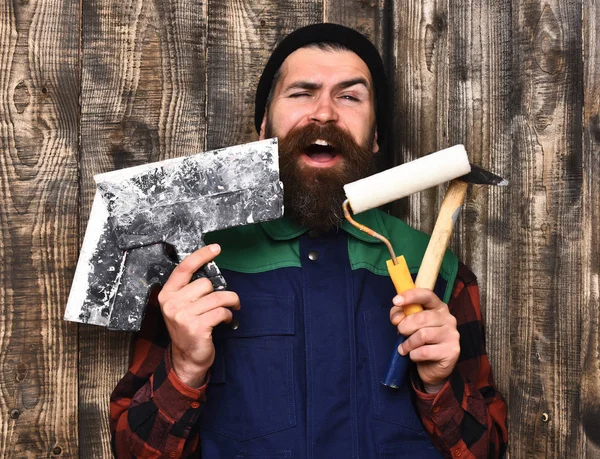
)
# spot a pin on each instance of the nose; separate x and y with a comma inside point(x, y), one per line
point(324, 111)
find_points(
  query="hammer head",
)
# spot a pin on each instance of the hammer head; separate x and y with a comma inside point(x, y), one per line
point(414, 176)
point(480, 176)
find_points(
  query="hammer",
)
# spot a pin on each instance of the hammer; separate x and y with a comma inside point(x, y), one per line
point(395, 183)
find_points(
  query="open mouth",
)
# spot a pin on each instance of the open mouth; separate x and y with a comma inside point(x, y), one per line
point(321, 152)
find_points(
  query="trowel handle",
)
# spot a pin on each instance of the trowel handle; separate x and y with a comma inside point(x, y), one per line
point(397, 363)
point(428, 272)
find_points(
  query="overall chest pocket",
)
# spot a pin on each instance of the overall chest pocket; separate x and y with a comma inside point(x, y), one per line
point(251, 388)
point(389, 405)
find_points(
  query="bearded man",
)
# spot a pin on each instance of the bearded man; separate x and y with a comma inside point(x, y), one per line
point(288, 363)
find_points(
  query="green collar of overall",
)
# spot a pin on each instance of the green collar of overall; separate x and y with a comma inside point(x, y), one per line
point(265, 246)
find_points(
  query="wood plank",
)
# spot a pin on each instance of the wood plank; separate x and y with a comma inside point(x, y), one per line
point(369, 17)
point(38, 227)
point(419, 77)
point(479, 117)
point(438, 106)
point(546, 271)
point(590, 247)
point(143, 99)
point(241, 36)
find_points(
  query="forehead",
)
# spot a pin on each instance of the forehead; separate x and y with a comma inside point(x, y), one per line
point(322, 66)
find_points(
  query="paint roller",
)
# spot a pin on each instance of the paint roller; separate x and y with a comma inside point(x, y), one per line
point(450, 164)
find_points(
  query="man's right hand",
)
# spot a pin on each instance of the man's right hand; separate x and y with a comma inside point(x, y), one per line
point(191, 311)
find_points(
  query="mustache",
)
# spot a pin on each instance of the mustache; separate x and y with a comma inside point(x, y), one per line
point(303, 138)
point(313, 197)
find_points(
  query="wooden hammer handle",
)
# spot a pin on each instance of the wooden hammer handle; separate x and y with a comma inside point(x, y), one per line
point(449, 211)
point(428, 272)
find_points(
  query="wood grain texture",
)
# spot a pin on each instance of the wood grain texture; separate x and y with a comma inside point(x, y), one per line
point(39, 89)
point(419, 76)
point(369, 17)
point(589, 406)
point(452, 85)
point(479, 117)
point(546, 270)
point(143, 99)
point(517, 82)
point(241, 36)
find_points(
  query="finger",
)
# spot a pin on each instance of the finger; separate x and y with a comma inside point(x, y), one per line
point(396, 315)
point(169, 300)
point(422, 296)
point(429, 336)
point(216, 316)
point(185, 312)
point(183, 272)
point(195, 290)
point(220, 299)
point(434, 353)
point(426, 319)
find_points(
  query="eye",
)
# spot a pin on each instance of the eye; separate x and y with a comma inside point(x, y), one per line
point(297, 95)
point(350, 98)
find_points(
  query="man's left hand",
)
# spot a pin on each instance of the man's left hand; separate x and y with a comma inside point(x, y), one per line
point(433, 341)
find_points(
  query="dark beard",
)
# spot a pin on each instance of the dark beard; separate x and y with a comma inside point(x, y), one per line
point(313, 197)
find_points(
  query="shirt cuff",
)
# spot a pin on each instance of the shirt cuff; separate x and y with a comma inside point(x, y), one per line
point(443, 410)
point(434, 406)
point(175, 399)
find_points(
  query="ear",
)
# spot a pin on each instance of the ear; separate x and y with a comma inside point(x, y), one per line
point(261, 134)
point(375, 144)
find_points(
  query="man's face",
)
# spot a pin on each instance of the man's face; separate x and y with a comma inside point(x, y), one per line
point(323, 112)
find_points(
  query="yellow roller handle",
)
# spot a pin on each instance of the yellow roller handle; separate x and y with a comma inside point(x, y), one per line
point(403, 281)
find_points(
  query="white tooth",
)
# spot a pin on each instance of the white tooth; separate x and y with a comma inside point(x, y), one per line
point(322, 143)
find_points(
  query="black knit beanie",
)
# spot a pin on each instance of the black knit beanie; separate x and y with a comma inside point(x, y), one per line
point(327, 32)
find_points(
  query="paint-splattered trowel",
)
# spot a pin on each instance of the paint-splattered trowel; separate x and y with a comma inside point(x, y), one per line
point(146, 219)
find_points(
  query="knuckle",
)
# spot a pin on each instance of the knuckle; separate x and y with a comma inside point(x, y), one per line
point(162, 298)
point(177, 317)
point(456, 335)
point(422, 335)
point(168, 309)
point(206, 284)
point(225, 314)
point(452, 321)
point(425, 353)
point(420, 319)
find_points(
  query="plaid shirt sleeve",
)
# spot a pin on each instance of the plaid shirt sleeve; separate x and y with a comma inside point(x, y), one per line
point(152, 413)
point(467, 418)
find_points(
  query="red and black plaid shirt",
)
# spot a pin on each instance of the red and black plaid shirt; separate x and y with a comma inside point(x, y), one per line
point(153, 414)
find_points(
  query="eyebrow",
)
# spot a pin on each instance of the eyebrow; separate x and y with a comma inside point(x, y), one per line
point(352, 82)
point(342, 85)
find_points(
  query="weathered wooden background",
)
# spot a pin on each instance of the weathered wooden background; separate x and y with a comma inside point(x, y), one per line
point(87, 87)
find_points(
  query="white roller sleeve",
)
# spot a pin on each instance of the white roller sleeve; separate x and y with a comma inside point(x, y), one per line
point(406, 179)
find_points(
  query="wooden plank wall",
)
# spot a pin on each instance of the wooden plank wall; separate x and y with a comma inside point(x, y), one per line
point(92, 86)
point(39, 217)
